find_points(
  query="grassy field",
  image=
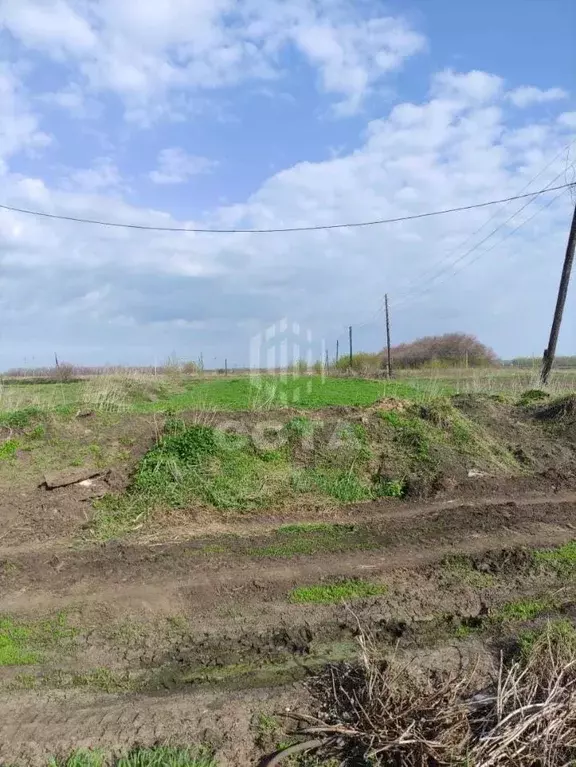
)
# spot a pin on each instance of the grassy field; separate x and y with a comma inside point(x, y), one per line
point(148, 394)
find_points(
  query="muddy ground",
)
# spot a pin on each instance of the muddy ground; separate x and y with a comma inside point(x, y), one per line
point(189, 629)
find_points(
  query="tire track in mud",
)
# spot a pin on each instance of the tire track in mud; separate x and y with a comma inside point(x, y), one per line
point(165, 577)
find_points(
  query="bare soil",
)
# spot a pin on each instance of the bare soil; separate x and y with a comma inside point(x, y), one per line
point(187, 632)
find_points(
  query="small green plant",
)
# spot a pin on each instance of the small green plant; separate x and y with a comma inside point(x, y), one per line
point(8, 449)
point(329, 528)
point(81, 758)
point(325, 593)
point(267, 728)
point(562, 559)
point(559, 632)
point(299, 426)
point(523, 610)
point(19, 419)
point(391, 488)
point(167, 756)
point(38, 432)
point(531, 396)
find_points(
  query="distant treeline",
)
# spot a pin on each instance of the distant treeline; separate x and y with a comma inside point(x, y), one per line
point(535, 362)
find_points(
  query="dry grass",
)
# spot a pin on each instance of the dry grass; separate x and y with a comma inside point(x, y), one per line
point(378, 712)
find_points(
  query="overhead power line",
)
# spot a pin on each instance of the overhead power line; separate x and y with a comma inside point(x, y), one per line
point(450, 266)
point(431, 274)
point(320, 227)
point(415, 298)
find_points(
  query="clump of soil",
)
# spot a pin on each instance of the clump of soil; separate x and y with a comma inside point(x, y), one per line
point(560, 410)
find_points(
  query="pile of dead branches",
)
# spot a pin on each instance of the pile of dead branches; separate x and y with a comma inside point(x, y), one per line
point(379, 712)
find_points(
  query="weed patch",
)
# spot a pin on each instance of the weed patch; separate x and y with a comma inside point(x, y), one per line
point(23, 643)
point(315, 538)
point(343, 485)
point(8, 449)
point(561, 632)
point(562, 559)
point(522, 610)
point(81, 758)
point(157, 756)
point(336, 592)
point(19, 419)
point(166, 756)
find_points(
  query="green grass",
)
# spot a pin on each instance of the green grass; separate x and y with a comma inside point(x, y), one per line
point(279, 391)
point(166, 756)
point(20, 419)
point(82, 758)
point(561, 633)
point(314, 538)
point(523, 610)
point(8, 449)
point(343, 485)
point(22, 643)
point(158, 756)
point(197, 463)
point(328, 528)
point(326, 593)
point(562, 559)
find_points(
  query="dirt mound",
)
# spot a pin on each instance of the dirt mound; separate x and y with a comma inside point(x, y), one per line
point(560, 410)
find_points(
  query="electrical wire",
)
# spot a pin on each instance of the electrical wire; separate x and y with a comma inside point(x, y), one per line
point(320, 227)
point(415, 298)
point(411, 294)
point(424, 277)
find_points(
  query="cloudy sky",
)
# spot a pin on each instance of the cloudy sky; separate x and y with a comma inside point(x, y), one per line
point(266, 114)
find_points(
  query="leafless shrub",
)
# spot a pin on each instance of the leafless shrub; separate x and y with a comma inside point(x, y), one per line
point(451, 349)
point(64, 372)
point(379, 712)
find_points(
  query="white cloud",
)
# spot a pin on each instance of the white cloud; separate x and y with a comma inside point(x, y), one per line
point(568, 119)
point(74, 100)
point(460, 147)
point(175, 166)
point(474, 86)
point(19, 125)
point(527, 95)
point(146, 51)
point(352, 57)
point(102, 176)
point(49, 25)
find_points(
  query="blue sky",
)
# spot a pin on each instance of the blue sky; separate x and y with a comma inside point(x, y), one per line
point(223, 113)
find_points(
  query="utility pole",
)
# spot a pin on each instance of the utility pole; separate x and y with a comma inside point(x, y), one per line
point(326, 363)
point(388, 355)
point(225, 367)
point(550, 351)
point(337, 350)
point(350, 340)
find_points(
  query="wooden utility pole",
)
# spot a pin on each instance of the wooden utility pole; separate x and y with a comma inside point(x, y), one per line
point(550, 351)
point(326, 363)
point(388, 354)
point(337, 350)
point(350, 341)
point(225, 367)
